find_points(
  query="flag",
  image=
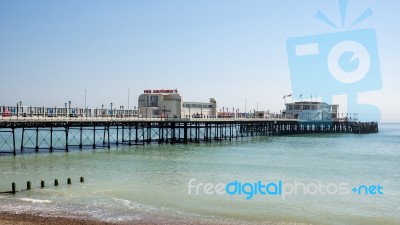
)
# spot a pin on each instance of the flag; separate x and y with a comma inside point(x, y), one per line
point(284, 96)
point(301, 95)
point(289, 95)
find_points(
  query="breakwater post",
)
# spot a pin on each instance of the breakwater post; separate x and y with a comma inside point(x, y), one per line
point(13, 187)
point(42, 185)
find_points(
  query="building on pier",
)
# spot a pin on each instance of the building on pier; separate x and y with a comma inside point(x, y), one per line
point(311, 111)
point(199, 109)
point(166, 103)
point(170, 104)
point(263, 114)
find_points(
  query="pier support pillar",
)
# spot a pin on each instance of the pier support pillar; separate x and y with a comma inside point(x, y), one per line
point(66, 138)
point(185, 133)
point(80, 137)
point(37, 139)
point(51, 139)
point(22, 139)
point(13, 134)
point(94, 137)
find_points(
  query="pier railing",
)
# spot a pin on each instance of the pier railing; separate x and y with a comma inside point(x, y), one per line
point(150, 119)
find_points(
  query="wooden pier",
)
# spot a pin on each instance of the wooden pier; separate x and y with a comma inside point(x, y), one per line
point(63, 134)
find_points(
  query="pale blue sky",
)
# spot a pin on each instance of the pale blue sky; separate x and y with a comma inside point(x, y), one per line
point(51, 51)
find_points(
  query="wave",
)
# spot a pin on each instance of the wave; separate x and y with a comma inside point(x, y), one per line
point(35, 200)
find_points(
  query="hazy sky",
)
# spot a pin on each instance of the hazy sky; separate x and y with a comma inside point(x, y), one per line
point(51, 51)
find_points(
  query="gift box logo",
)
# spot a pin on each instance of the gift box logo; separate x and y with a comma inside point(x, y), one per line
point(345, 62)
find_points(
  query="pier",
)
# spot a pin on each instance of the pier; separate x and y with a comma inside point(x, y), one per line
point(49, 134)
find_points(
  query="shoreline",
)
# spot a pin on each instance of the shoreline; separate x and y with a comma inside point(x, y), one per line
point(12, 218)
point(9, 218)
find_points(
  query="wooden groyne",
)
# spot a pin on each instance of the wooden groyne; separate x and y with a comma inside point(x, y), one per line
point(42, 185)
point(17, 136)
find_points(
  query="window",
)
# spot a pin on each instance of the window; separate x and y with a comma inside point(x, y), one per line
point(153, 101)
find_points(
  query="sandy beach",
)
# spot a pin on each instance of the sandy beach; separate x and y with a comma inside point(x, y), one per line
point(28, 219)
point(8, 218)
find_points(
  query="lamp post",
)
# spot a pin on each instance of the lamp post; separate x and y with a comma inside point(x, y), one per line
point(20, 105)
point(128, 101)
point(111, 109)
point(65, 104)
point(245, 108)
point(84, 112)
point(69, 108)
point(17, 109)
point(102, 110)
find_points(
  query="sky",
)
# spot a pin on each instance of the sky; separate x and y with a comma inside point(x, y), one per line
point(234, 51)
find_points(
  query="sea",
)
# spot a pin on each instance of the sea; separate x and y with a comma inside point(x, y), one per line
point(293, 179)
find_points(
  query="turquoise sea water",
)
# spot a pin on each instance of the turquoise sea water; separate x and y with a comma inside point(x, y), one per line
point(151, 182)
